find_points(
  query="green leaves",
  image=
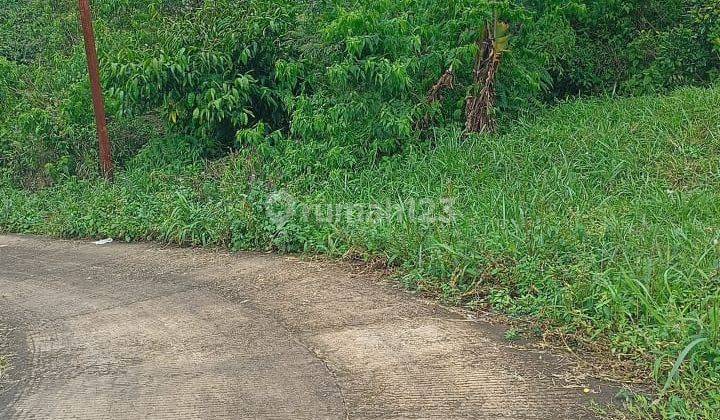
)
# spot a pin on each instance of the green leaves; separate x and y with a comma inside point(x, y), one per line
point(501, 36)
point(362, 85)
point(680, 359)
point(213, 74)
point(350, 75)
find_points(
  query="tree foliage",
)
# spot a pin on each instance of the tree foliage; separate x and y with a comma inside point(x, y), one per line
point(340, 83)
point(210, 72)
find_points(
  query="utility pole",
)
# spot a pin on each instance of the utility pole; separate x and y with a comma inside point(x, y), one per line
point(98, 104)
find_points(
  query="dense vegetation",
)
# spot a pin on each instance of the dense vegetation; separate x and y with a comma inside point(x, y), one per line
point(347, 79)
point(307, 127)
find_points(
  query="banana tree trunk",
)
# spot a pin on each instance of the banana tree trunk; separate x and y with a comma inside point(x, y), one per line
point(481, 102)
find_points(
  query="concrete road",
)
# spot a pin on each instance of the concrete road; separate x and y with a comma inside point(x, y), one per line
point(140, 331)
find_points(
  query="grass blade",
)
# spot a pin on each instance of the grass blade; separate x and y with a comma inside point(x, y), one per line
point(680, 359)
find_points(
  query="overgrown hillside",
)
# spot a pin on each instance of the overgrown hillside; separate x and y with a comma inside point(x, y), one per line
point(314, 127)
point(599, 219)
point(350, 77)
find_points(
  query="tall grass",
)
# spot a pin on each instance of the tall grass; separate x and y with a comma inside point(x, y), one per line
point(598, 219)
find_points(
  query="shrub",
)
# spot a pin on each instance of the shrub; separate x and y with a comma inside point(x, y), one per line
point(46, 124)
point(637, 46)
point(345, 82)
point(358, 81)
point(210, 71)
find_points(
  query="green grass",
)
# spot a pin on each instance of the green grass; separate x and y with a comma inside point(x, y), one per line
point(599, 220)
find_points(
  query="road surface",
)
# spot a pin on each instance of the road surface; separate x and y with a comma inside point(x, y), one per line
point(141, 331)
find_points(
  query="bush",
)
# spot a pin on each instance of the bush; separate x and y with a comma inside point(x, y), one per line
point(46, 126)
point(209, 71)
point(345, 80)
point(358, 78)
point(635, 46)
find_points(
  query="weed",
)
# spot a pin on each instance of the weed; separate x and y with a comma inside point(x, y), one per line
point(513, 334)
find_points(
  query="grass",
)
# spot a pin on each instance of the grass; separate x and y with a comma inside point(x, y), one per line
point(597, 220)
